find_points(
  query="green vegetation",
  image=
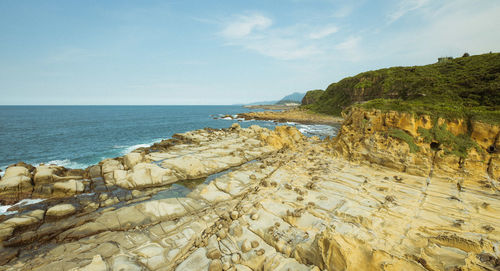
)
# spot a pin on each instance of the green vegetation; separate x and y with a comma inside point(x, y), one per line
point(452, 144)
point(466, 87)
point(312, 96)
point(402, 135)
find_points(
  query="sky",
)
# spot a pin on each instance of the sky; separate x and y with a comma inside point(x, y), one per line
point(221, 52)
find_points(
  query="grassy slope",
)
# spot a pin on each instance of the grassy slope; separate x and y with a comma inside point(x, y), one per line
point(466, 87)
point(312, 96)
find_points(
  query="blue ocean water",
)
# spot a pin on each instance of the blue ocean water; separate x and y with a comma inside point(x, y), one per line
point(79, 136)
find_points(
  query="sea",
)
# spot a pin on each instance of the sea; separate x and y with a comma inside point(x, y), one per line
point(80, 136)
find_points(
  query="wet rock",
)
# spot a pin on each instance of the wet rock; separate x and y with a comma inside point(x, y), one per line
point(94, 172)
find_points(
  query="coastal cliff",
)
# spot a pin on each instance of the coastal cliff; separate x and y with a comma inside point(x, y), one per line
point(421, 145)
point(411, 182)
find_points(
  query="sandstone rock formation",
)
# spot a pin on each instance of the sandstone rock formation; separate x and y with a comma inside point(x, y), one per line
point(291, 203)
point(365, 137)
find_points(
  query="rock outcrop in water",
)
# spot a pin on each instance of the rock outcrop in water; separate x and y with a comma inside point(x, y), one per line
point(292, 203)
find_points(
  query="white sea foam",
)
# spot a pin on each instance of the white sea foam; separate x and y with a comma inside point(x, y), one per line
point(145, 145)
point(66, 163)
point(4, 208)
point(317, 129)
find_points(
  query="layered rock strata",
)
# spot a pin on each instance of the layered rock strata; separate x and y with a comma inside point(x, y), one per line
point(299, 207)
point(365, 137)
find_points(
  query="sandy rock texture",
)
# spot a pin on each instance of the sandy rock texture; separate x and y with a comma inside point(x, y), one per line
point(364, 138)
point(291, 203)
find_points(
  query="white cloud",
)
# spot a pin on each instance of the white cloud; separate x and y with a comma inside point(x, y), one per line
point(324, 32)
point(404, 7)
point(450, 29)
point(254, 33)
point(245, 24)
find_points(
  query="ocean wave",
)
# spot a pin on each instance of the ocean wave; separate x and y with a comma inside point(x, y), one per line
point(144, 145)
point(66, 163)
point(317, 129)
point(4, 208)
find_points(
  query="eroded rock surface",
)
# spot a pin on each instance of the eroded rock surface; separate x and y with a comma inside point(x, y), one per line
point(290, 205)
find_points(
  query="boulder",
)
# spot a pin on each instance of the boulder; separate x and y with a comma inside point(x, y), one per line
point(94, 171)
point(61, 210)
point(16, 171)
point(68, 188)
point(15, 188)
point(46, 174)
point(144, 175)
point(132, 159)
point(108, 167)
point(190, 167)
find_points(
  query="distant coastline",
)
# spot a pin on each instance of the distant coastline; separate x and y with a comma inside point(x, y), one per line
point(272, 106)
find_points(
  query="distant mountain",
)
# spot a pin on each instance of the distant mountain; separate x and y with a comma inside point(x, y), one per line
point(295, 97)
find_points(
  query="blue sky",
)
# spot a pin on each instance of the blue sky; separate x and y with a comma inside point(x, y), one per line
point(222, 52)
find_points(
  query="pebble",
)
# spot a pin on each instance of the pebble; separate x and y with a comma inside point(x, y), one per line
point(254, 216)
point(260, 252)
point(235, 258)
point(234, 215)
point(214, 254)
point(255, 243)
point(246, 246)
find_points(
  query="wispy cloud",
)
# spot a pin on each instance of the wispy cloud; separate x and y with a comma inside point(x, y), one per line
point(255, 32)
point(324, 32)
point(404, 7)
point(243, 25)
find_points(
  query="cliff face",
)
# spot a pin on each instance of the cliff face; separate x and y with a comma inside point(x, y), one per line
point(420, 145)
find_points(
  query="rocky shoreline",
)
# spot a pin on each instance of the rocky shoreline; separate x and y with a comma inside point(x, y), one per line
point(292, 115)
point(273, 200)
